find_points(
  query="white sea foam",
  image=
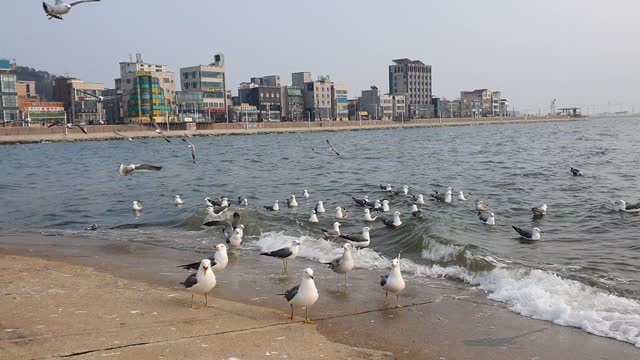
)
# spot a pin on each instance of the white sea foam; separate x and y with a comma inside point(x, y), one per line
point(530, 292)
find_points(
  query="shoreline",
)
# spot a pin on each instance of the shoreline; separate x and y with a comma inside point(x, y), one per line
point(440, 318)
point(105, 132)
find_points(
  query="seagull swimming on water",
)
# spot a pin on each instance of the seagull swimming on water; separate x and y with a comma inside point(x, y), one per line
point(404, 191)
point(533, 234)
point(446, 197)
point(291, 201)
point(129, 169)
point(319, 207)
point(622, 205)
point(393, 282)
point(367, 216)
point(540, 210)
point(415, 212)
point(343, 264)
point(462, 196)
point(341, 213)
point(576, 172)
point(361, 202)
point(333, 233)
point(136, 205)
point(305, 194)
point(285, 253)
point(274, 207)
point(313, 218)
point(303, 295)
point(233, 237)
point(178, 200)
point(418, 199)
point(394, 222)
point(243, 201)
point(60, 8)
point(487, 218)
point(201, 282)
point(481, 206)
point(358, 241)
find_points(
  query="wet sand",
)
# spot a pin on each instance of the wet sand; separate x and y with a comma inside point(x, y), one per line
point(439, 319)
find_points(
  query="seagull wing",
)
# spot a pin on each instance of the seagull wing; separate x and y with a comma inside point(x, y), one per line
point(484, 217)
point(354, 238)
point(632, 206)
point(53, 124)
point(148, 167)
point(190, 281)
point(524, 233)
point(291, 293)
point(196, 265)
point(335, 263)
point(82, 128)
point(82, 1)
point(333, 148)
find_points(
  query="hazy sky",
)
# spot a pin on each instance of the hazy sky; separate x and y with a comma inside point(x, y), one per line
point(578, 51)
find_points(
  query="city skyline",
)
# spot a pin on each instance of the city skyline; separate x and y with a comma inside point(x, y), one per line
point(573, 51)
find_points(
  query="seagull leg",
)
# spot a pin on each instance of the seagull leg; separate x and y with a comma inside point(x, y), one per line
point(306, 316)
point(345, 280)
point(398, 300)
point(386, 294)
point(192, 301)
point(285, 266)
point(206, 300)
point(291, 312)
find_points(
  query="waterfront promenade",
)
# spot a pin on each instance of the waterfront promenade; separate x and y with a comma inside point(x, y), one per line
point(12, 135)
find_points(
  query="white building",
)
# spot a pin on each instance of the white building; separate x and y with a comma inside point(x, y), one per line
point(203, 90)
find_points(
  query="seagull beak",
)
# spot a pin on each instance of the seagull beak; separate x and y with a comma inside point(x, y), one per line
point(205, 268)
point(311, 276)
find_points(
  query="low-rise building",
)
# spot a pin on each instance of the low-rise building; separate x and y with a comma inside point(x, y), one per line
point(8, 93)
point(370, 102)
point(480, 102)
point(399, 107)
point(27, 92)
point(267, 99)
point(82, 100)
point(112, 109)
point(339, 102)
point(205, 87)
point(42, 112)
point(293, 104)
point(317, 95)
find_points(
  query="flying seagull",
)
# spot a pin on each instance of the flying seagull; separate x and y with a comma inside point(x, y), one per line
point(622, 205)
point(343, 264)
point(285, 253)
point(533, 234)
point(332, 147)
point(129, 169)
point(60, 8)
point(160, 132)
point(193, 149)
point(219, 259)
point(303, 295)
point(201, 282)
point(124, 136)
point(393, 282)
point(576, 172)
point(68, 126)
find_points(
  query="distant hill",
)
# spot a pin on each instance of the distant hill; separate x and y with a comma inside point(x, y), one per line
point(44, 80)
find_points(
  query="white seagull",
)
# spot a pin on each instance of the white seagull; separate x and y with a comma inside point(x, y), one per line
point(178, 200)
point(539, 211)
point(60, 8)
point(418, 199)
point(481, 206)
point(622, 205)
point(201, 282)
point(487, 218)
point(393, 282)
point(219, 259)
point(332, 234)
point(462, 196)
point(129, 169)
point(192, 148)
point(394, 222)
point(274, 207)
point(343, 264)
point(367, 216)
point(533, 234)
point(313, 218)
point(305, 194)
point(385, 205)
point(359, 241)
point(233, 237)
point(291, 201)
point(415, 212)
point(303, 295)
point(319, 207)
point(446, 197)
point(341, 213)
point(136, 205)
point(285, 253)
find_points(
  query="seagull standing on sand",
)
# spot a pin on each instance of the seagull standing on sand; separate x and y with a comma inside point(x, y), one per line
point(334, 233)
point(219, 259)
point(341, 213)
point(201, 282)
point(178, 200)
point(319, 207)
point(367, 216)
point(303, 295)
point(129, 169)
point(539, 211)
point(285, 253)
point(359, 241)
point(487, 218)
point(313, 218)
point(343, 264)
point(274, 207)
point(136, 205)
point(291, 201)
point(60, 8)
point(393, 282)
point(192, 148)
point(533, 234)
point(394, 222)
point(576, 172)
point(622, 205)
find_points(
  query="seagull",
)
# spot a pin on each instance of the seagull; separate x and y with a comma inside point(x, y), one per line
point(60, 8)
point(319, 207)
point(622, 205)
point(387, 187)
point(233, 237)
point(160, 132)
point(377, 206)
point(367, 215)
point(136, 205)
point(219, 259)
point(303, 295)
point(341, 213)
point(305, 194)
point(418, 199)
point(192, 148)
point(243, 201)
point(124, 136)
point(415, 212)
point(93, 227)
point(446, 197)
point(533, 234)
point(343, 264)
point(178, 200)
point(214, 213)
point(539, 211)
point(221, 201)
point(462, 196)
point(233, 224)
point(576, 172)
point(286, 253)
point(481, 206)
point(404, 191)
point(313, 218)
point(129, 169)
point(201, 282)
point(385, 205)
point(393, 223)
point(68, 126)
point(332, 148)
point(291, 201)
point(334, 233)
point(487, 218)
point(393, 282)
point(362, 202)
point(359, 241)
point(274, 207)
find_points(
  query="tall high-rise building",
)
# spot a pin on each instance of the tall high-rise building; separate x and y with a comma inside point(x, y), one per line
point(8, 92)
point(148, 91)
point(412, 78)
point(203, 90)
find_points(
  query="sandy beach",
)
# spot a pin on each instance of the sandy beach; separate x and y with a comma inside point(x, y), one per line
point(78, 297)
